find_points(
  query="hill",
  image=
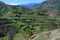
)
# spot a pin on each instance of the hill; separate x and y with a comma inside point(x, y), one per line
point(19, 22)
point(54, 4)
point(5, 8)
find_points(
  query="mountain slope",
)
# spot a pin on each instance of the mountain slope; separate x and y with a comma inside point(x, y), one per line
point(4, 8)
point(48, 4)
point(27, 21)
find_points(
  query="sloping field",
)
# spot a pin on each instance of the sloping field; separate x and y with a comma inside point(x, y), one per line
point(52, 35)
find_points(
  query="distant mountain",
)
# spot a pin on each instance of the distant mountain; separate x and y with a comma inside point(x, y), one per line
point(2, 5)
point(48, 4)
point(29, 5)
point(13, 7)
point(4, 9)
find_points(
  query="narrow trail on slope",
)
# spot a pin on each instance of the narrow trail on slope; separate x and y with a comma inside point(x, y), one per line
point(35, 36)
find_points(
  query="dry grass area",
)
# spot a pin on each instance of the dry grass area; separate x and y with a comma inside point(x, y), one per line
point(50, 35)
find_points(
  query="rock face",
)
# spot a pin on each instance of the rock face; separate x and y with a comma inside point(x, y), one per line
point(55, 34)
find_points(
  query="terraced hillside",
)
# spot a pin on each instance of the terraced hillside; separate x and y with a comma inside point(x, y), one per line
point(19, 23)
point(35, 22)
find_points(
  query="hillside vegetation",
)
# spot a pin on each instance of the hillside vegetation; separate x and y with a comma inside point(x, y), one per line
point(19, 22)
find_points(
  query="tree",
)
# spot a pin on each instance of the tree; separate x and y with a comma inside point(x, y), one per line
point(27, 34)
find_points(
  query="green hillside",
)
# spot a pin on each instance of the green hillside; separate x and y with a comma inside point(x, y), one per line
point(52, 4)
point(19, 22)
